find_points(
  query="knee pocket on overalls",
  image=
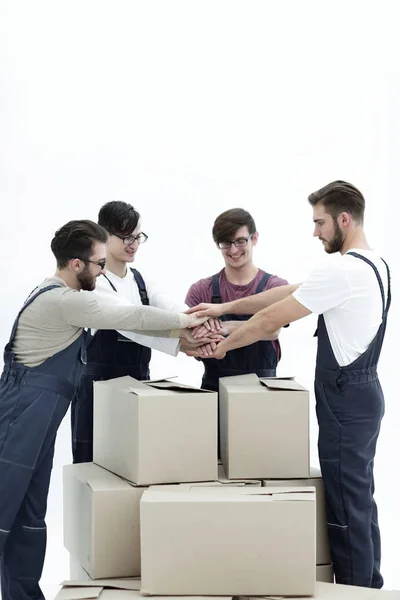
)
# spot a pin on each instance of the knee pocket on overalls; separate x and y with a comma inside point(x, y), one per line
point(336, 514)
point(27, 427)
point(15, 411)
point(29, 549)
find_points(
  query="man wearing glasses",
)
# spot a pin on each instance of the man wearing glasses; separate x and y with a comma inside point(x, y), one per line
point(43, 362)
point(235, 234)
point(119, 353)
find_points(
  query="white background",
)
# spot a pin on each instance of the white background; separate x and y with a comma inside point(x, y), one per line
point(186, 109)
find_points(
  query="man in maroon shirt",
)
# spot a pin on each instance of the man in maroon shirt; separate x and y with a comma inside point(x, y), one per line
point(235, 234)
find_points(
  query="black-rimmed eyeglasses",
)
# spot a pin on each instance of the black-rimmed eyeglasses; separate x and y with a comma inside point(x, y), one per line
point(140, 238)
point(239, 243)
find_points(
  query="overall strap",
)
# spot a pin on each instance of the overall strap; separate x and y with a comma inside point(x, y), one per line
point(263, 282)
point(371, 264)
point(389, 293)
point(216, 294)
point(141, 286)
point(27, 303)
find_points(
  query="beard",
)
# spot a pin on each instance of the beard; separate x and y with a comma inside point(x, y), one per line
point(336, 243)
point(86, 280)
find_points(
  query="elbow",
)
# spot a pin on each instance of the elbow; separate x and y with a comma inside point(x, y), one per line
point(268, 328)
point(275, 335)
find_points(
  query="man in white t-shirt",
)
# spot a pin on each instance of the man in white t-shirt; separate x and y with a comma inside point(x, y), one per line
point(352, 298)
point(118, 353)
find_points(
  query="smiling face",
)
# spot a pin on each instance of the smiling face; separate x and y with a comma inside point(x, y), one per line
point(327, 229)
point(121, 252)
point(240, 255)
point(89, 270)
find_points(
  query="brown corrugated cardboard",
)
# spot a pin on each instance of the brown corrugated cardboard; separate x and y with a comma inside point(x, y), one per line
point(228, 541)
point(109, 589)
point(161, 432)
point(334, 591)
point(315, 480)
point(264, 427)
point(325, 573)
point(101, 521)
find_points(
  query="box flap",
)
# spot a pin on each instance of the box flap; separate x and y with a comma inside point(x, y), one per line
point(142, 390)
point(337, 591)
point(104, 485)
point(79, 592)
point(295, 496)
point(118, 383)
point(282, 384)
point(192, 493)
point(240, 380)
point(159, 380)
point(177, 387)
point(122, 583)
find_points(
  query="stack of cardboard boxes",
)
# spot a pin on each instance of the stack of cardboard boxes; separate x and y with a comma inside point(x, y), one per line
point(155, 504)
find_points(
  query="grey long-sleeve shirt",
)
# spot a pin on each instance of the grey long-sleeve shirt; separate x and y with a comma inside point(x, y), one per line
point(55, 319)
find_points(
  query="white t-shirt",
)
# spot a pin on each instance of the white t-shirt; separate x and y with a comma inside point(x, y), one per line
point(128, 293)
point(346, 291)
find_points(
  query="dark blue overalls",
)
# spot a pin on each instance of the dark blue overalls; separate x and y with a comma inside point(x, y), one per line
point(350, 406)
point(259, 358)
point(33, 402)
point(109, 355)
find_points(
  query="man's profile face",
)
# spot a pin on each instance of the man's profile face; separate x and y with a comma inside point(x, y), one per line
point(327, 229)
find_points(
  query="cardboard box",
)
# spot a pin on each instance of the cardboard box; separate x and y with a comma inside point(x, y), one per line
point(264, 427)
point(223, 480)
point(76, 571)
point(109, 589)
point(159, 432)
point(334, 591)
point(101, 521)
point(228, 541)
point(325, 573)
point(315, 480)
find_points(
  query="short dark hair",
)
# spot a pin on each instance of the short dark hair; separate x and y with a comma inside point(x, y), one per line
point(340, 196)
point(118, 217)
point(75, 240)
point(227, 224)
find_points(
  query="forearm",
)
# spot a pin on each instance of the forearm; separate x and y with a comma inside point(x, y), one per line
point(254, 330)
point(253, 304)
point(88, 312)
point(229, 327)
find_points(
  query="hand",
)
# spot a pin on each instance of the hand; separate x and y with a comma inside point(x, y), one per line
point(206, 310)
point(204, 351)
point(195, 320)
point(211, 350)
point(191, 341)
point(219, 352)
point(210, 326)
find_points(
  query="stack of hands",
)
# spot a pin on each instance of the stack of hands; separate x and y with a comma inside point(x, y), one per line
point(202, 340)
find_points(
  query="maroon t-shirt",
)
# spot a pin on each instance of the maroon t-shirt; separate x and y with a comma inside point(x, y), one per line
point(201, 291)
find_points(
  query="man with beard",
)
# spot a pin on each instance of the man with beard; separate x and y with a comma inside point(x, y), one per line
point(43, 362)
point(352, 298)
